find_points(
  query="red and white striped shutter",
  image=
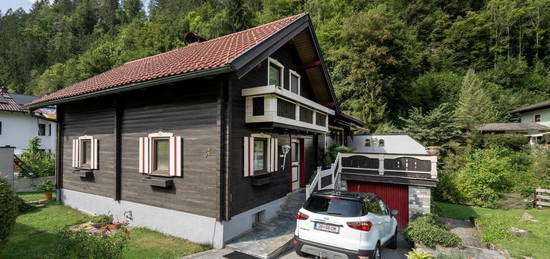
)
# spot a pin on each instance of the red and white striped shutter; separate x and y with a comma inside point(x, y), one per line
point(175, 156)
point(76, 155)
point(248, 165)
point(95, 153)
point(144, 155)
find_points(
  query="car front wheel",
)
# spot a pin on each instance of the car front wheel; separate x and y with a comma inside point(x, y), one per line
point(300, 253)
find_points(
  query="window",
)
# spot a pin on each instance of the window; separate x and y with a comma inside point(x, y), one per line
point(383, 208)
point(286, 109)
point(537, 117)
point(275, 73)
point(260, 155)
point(381, 143)
point(334, 206)
point(321, 119)
point(306, 115)
point(294, 82)
point(85, 152)
point(41, 129)
point(367, 142)
point(258, 106)
point(49, 129)
point(161, 155)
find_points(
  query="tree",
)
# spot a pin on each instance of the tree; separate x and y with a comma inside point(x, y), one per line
point(133, 9)
point(8, 211)
point(474, 106)
point(435, 128)
point(39, 163)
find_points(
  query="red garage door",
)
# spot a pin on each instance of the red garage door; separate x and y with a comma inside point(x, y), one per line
point(395, 196)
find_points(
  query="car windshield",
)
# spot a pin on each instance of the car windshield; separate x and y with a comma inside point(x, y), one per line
point(334, 206)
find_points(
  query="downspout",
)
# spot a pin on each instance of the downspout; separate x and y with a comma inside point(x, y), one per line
point(59, 152)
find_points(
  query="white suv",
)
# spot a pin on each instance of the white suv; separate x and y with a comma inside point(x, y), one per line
point(340, 224)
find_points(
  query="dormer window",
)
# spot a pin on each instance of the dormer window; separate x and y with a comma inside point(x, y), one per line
point(294, 82)
point(537, 117)
point(275, 73)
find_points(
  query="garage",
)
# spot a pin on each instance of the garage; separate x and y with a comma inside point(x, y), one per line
point(396, 197)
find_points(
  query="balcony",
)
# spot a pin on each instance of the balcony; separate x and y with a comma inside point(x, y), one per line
point(283, 108)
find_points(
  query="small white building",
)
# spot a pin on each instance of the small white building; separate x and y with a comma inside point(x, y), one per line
point(386, 144)
point(18, 126)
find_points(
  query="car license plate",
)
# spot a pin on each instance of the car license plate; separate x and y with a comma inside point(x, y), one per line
point(326, 227)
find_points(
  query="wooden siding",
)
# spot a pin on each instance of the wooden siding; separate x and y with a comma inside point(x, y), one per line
point(187, 112)
point(94, 117)
point(188, 109)
point(244, 195)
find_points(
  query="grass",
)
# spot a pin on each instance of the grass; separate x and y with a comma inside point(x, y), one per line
point(34, 236)
point(32, 196)
point(493, 224)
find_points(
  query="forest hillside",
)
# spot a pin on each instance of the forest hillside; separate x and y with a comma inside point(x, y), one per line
point(388, 59)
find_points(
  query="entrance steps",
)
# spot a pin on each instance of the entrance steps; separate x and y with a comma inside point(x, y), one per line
point(270, 239)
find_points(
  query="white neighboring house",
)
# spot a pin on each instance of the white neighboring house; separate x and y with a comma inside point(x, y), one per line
point(18, 126)
point(386, 144)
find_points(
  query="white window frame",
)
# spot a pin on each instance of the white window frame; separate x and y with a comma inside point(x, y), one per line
point(271, 159)
point(78, 153)
point(152, 138)
point(282, 76)
point(294, 73)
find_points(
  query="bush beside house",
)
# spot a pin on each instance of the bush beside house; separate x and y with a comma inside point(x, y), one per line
point(8, 211)
point(427, 230)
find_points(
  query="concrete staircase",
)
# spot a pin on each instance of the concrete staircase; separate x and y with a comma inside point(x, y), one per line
point(270, 239)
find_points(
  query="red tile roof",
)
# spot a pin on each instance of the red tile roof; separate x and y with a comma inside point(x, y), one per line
point(14, 102)
point(205, 55)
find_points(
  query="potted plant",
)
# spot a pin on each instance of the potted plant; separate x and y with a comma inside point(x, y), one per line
point(47, 187)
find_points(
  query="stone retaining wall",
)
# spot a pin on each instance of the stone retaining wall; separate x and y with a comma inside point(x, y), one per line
point(420, 200)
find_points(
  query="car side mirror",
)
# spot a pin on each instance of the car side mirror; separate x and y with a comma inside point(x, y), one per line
point(394, 213)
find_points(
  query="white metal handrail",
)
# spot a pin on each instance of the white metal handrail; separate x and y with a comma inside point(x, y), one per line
point(333, 172)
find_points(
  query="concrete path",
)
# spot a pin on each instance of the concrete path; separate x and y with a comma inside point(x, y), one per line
point(465, 230)
point(227, 253)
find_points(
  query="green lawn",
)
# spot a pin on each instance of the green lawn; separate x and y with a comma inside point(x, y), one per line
point(32, 196)
point(34, 237)
point(493, 224)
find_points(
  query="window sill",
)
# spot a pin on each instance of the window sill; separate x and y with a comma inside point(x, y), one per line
point(262, 179)
point(161, 182)
point(84, 173)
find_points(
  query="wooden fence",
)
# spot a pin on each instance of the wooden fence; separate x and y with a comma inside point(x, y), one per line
point(542, 197)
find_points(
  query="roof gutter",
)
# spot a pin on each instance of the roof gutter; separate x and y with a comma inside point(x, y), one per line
point(138, 85)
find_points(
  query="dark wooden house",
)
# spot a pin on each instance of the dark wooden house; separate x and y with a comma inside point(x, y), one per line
point(199, 142)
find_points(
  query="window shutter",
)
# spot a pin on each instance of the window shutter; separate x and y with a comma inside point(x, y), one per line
point(144, 155)
point(248, 165)
point(76, 153)
point(175, 156)
point(275, 154)
point(269, 158)
point(94, 162)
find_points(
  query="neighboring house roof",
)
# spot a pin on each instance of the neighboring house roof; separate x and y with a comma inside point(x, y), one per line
point(393, 144)
point(14, 102)
point(536, 106)
point(512, 126)
point(218, 55)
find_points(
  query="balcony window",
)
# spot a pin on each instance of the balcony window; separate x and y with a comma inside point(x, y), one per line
point(275, 73)
point(306, 115)
point(294, 82)
point(321, 119)
point(258, 106)
point(286, 109)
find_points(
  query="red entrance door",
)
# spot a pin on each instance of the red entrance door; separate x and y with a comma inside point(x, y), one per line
point(394, 195)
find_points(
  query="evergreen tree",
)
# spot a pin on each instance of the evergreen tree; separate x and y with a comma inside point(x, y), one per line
point(475, 106)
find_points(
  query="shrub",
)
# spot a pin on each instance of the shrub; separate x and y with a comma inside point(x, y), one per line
point(79, 244)
point(39, 163)
point(485, 176)
point(429, 231)
point(47, 186)
point(103, 220)
point(23, 206)
point(514, 142)
point(8, 211)
point(417, 254)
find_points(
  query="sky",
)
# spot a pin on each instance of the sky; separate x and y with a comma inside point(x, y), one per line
point(27, 4)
